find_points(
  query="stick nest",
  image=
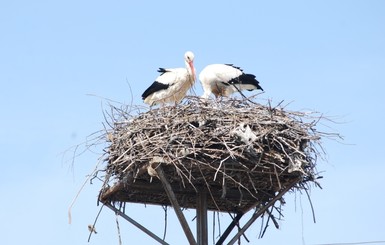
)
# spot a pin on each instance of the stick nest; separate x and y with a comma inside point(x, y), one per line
point(238, 152)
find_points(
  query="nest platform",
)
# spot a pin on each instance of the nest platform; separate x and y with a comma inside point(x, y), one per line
point(238, 153)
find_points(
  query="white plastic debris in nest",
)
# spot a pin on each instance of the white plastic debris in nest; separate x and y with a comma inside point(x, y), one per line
point(296, 165)
point(154, 164)
point(245, 134)
point(183, 152)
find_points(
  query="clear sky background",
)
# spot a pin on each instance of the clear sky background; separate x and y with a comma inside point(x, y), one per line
point(326, 56)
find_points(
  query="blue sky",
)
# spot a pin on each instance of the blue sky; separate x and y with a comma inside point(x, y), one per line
point(326, 56)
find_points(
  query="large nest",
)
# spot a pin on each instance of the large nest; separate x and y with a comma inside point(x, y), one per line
point(239, 152)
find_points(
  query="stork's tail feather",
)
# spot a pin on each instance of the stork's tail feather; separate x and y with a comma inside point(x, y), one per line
point(162, 70)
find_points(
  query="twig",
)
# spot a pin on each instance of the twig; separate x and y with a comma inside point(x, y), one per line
point(311, 203)
point(93, 225)
point(78, 193)
point(118, 229)
point(165, 222)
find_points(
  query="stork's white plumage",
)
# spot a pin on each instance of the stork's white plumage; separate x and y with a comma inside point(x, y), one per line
point(172, 84)
point(225, 79)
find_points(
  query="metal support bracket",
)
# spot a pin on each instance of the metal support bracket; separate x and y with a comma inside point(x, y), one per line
point(139, 226)
point(175, 205)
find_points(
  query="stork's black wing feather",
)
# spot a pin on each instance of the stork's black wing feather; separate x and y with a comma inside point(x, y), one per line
point(155, 87)
point(246, 79)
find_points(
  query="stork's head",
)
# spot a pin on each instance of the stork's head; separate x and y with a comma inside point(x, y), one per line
point(189, 59)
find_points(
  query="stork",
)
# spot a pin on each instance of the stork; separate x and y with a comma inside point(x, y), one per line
point(225, 79)
point(172, 84)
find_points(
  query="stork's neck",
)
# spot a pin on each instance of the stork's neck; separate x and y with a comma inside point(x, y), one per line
point(190, 69)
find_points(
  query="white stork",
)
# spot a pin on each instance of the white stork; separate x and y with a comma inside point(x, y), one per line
point(172, 84)
point(225, 79)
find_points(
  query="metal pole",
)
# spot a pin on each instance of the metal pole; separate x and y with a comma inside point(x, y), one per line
point(144, 229)
point(201, 211)
point(260, 212)
point(229, 229)
point(175, 204)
